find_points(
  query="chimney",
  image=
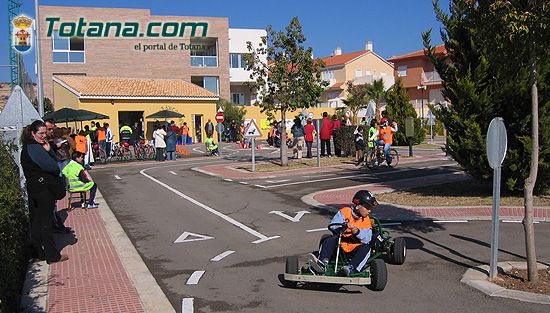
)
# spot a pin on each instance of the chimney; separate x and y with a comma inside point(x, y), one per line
point(338, 51)
point(368, 45)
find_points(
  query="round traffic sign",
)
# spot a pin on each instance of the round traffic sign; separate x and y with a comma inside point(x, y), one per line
point(496, 142)
point(219, 117)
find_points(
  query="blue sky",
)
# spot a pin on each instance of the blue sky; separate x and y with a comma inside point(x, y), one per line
point(394, 26)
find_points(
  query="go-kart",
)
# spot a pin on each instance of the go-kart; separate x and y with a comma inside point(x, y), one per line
point(373, 275)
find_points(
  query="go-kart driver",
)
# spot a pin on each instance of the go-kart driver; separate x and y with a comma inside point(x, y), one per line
point(355, 239)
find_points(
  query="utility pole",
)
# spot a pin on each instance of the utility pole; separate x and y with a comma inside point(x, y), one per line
point(40, 99)
point(422, 87)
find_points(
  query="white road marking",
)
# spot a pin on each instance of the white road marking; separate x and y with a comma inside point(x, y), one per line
point(390, 224)
point(243, 182)
point(194, 278)
point(198, 237)
point(187, 305)
point(321, 175)
point(260, 186)
point(173, 173)
point(341, 177)
point(199, 151)
point(221, 256)
point(276, 181)
point(228, 179)
point(240, 225)
point(316, 230)
point(517, 221)
point(294, 219)
point(452, 221)
point(117, 177)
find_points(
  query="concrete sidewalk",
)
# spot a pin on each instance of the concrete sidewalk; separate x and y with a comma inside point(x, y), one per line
point(104, 272)
point(334, 199)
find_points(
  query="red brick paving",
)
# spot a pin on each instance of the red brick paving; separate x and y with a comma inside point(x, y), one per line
point(93, 279)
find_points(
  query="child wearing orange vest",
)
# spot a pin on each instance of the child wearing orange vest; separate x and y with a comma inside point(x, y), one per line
point(385, 133)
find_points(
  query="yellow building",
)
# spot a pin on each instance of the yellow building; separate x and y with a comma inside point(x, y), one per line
point(130, 100)
point(360, 67)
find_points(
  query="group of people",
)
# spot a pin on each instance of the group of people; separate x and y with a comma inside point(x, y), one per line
point(51, 167)
point(380, 134)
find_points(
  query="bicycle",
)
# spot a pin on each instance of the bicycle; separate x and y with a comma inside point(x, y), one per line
point(122, 151)
point(376, 156)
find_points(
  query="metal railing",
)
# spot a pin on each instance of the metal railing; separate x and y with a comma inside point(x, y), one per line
point(431, 77)
point(204, 61)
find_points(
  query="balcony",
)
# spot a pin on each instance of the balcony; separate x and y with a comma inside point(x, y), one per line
point(204, 61)
point(431, 78)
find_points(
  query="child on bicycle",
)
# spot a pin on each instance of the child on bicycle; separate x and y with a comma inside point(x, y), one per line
point(385, 133)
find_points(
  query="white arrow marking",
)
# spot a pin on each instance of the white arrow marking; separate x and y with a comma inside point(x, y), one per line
point(294, 219)
point(183, 237)
point(117, 177)
point(316, 230)
point(276, 181)
point(187, 305)
point(173, 173)
point(194, 278)
point(221, 256)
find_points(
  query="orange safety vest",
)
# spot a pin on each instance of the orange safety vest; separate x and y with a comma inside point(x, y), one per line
point(386, 135)
point(101, 134)
point(184, 130)
point(349, 241)
point(81, 145)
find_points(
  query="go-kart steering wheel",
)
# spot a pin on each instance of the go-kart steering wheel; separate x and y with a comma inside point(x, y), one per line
point(337, 228)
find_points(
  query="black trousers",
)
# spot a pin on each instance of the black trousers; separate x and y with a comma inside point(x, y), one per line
point(309, 144)
point(325, 143)
point(42, 204)
point(160, 154)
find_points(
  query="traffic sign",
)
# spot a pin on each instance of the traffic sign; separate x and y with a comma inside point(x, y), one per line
point(431, 118)
point(310, 115)
point(219, 117)
point(220, 128)
point(496, 142)
point(252, 130)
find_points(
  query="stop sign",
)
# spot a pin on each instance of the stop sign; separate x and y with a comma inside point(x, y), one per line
point(219, 117)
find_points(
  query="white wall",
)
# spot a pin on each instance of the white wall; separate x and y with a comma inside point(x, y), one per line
point(237, 44)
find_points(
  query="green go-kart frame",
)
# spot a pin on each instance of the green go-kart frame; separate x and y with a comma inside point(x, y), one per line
point(374, 274)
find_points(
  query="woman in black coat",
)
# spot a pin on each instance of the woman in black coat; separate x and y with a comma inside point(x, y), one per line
point(43, 188)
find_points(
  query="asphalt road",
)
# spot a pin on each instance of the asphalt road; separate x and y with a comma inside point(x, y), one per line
point(158, 203)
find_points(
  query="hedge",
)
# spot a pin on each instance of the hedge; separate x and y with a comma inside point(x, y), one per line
point(13, 233)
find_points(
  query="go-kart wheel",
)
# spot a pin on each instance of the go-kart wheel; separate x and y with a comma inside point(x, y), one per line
point(378, 275)
point(291, 268)
point(398, 251)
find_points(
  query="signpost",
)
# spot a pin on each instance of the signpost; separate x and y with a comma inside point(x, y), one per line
point(220, 128)
point(409, 132)
point(252, 131)
point(496, 152)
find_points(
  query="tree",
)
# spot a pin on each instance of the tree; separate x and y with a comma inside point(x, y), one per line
point(48, 105)
point(498, 53)
point(399, 107)
point(377, 94)
point(291, 80)
point(357, 99)
point(231, 112)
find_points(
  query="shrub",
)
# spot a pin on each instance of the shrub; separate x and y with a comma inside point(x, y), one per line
point(13, 230)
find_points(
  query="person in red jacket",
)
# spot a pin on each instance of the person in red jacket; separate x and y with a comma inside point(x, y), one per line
point(336, 123)
point(325, 134)
point(310, 130)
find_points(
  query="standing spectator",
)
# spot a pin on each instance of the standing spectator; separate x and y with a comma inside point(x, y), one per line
point(108, 140)
point(271, 134)
point(160, 144)
point(184, 133)
point(93, 131)
point(78, 180)
point(233, 130)
point(359, 144)
point(209, 128)
point(89, 157)
point(198, 133)
point(335, 125)
point(80, 142)
point(298, 132)
point(309, 130)
point(101, 139)
point(43, 188)
point(325, 133)
point(171, 139)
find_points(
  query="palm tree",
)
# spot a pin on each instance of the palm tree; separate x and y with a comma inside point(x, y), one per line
point(377, 94)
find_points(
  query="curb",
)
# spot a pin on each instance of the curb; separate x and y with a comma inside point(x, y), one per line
point(478, 278)
point(35, 288)
point(151, 296)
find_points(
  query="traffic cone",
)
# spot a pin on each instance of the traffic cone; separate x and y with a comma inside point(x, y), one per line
point(259, 148)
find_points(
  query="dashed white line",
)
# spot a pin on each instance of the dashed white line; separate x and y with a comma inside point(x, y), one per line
point(173, 173)
point(228, 179)
point(221, 256)
point(194, 278)
point(260, 186)
point(517, 221)
point(321, 175)
point(276, 181)
point(243, 182)
point(455, 221)
point(316, 229)
point(187, 305)
point(117, 177)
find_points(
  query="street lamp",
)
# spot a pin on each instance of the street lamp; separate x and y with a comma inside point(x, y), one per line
point(422, 88)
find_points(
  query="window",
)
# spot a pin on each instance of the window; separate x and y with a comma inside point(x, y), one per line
point(204, 52)
point(358, 72)
point(237, 60)
point(368, 72)
point(327, 75)
point(67, 50)
point(207, 82)
point(402, 71)
point(333, 96)
point(237, 98)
